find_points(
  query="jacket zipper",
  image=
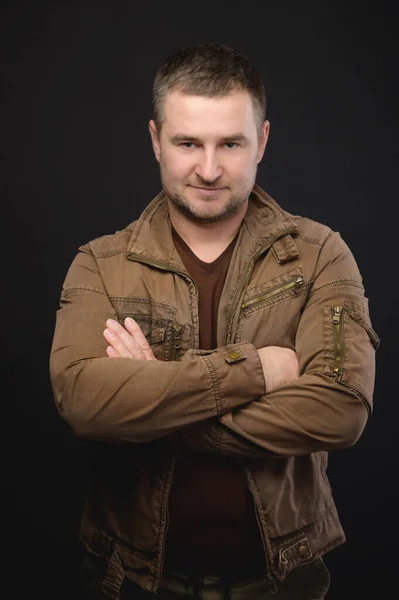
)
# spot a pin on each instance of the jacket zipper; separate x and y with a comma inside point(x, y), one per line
point(164, 267)
point(230, 317)
point(247, 275)
point(282, 288)
point(337, 326)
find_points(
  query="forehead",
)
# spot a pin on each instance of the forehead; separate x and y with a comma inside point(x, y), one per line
point(199, 114)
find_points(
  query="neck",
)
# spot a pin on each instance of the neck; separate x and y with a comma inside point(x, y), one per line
point(207, 240)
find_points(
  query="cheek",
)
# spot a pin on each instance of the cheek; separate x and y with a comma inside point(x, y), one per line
point(242, 167)
point(176, 167)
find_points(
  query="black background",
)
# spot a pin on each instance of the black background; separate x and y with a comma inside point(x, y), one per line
point(78, 163)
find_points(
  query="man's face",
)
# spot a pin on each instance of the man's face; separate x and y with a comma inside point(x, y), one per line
point(208, 152)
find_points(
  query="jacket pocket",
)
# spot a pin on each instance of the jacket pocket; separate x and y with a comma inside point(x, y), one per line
point(274, 291)
point(270, 311)
point(349, 341)
point(168, 339)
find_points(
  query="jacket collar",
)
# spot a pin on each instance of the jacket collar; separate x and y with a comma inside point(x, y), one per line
point(151, 239)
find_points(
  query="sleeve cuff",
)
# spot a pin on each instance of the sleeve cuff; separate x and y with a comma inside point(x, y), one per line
point(237, 376)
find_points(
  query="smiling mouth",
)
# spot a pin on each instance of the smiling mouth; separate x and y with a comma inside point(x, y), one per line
point(206, 189)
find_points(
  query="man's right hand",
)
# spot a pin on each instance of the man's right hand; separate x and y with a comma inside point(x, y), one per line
point(280, 365)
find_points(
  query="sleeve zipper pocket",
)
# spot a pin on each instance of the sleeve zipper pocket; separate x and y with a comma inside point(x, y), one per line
point(338, 336)
point(337, 328)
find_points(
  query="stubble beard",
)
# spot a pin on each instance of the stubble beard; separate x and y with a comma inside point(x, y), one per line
point(184, 207)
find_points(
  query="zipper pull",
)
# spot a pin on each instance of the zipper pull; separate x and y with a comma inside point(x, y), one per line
point(337, 314)
point(176, 341)
point(297, 284)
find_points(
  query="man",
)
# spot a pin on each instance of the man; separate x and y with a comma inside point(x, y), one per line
point(213, 352)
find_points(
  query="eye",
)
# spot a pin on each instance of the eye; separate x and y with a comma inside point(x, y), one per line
point(231, 145)
point(187, 145)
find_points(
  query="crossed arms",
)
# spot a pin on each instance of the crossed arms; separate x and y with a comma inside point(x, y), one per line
point(272, 401)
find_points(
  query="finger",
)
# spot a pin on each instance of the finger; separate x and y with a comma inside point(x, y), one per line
point(117, 344)
point(111, 352)
point(139, 338)
point(124, 341)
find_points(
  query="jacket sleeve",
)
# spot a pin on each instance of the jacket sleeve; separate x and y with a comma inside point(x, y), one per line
point(129, 400)
point(327, 407)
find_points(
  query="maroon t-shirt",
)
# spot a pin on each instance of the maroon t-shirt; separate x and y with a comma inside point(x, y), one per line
point(212, 522)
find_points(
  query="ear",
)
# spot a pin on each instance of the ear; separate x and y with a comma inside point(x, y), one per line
point(155, 139)
point(263, 137)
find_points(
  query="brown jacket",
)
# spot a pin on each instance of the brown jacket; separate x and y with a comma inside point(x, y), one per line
point(292, 282)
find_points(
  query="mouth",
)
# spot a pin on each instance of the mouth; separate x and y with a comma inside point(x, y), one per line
point(207, 191)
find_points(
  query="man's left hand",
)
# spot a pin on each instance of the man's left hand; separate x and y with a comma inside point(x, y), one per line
point(127, 343)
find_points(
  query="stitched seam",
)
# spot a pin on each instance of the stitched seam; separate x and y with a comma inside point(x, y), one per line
point(305, 238)
point(262, 514)
point(338, 283)
point(361, 392)
point(215, 384)
point(83, 288)
point(109, 253)
point(140, 300)
point(163, 518)
point(219, 440)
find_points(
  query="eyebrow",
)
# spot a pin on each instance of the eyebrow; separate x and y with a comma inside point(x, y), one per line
point(181, 137)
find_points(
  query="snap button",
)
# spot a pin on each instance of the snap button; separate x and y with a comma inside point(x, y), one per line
point(234, 354)
point(303, 550)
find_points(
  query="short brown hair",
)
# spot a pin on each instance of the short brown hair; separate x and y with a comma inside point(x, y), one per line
point(211, 70)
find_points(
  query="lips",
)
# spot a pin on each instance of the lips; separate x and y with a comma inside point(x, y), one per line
point(198, 187)
point(206, 189)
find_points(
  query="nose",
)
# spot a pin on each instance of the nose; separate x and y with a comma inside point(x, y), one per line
point(208, 168)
